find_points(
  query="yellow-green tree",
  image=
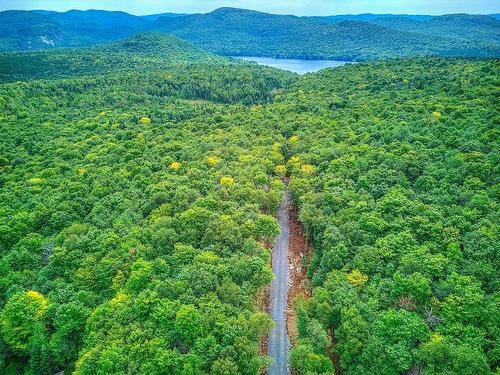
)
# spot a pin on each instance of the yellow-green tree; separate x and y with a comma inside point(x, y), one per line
point(145, 120)
point(357, 278)
point(226, 181)
point(20, 315)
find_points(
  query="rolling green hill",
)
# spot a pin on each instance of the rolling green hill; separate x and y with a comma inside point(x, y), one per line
point(254, 33)
point(230, 31)
point(478, 28)
point(23, 30)
point(145, 51)
point(91, 26)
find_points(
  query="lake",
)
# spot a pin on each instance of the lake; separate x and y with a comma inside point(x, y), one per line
point(294, 65)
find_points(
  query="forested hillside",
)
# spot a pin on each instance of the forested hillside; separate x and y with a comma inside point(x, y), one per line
point(137, 193)
point(142, 52)
point(456, 26)
point(28, 30)
point(261, 34)
point(96, 26)
point(22, 30)
point(231, 31)
point(133, 210)
point(402, 211)
point(371, 17)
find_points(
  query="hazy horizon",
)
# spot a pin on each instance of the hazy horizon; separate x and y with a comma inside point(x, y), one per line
point(295, 7)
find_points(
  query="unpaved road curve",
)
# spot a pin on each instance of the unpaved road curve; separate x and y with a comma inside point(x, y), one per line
point(278, 337)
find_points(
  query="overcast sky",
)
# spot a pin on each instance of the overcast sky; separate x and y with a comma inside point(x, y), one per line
point(298, 7)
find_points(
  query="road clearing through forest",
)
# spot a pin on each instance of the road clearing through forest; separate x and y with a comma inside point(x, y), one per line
point(279, 341)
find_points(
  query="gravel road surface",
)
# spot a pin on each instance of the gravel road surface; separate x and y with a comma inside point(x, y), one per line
point(278, 337)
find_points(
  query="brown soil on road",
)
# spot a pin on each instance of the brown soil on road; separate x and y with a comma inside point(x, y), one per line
point(299, 253)
point(298, 250)
point(290, 258)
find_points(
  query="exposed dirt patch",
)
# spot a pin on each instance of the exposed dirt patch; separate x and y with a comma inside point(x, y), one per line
point(298, 250)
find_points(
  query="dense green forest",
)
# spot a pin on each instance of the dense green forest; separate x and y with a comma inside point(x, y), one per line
point(133, 210)
point(137, 194)
point(142, 52)
point(259, 34)
point(455, 26)
point(205, 75)
point(465, 26)
point(402, 211)
point(231, 31)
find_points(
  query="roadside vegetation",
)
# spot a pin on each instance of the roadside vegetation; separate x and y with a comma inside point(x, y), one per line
point(402, 212)
point(135, 205)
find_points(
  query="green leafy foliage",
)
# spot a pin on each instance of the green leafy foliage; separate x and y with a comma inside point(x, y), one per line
point(135, 205)
point(402, 212)
point(142, 52)
point(141, 267)
point(23, 313)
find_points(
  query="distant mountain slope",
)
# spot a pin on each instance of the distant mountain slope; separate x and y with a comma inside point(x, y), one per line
point(157, 45)
point(103, 18)
point(457, 26)
point(91, 26)
point(28, 30)
point(142, 52)
point(25, 30)
point(154, 17)
point(230, 31)
point(370, 17)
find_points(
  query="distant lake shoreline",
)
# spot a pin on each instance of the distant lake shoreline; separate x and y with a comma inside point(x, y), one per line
point(299, 66)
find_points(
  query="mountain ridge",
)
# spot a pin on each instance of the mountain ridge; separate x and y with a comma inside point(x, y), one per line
point(249, 32)
point(234, 31)
point(146, 51)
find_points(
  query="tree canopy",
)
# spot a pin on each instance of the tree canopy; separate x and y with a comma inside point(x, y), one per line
point(136, 205)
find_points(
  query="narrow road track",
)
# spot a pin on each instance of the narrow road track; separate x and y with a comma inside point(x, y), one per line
point(278, 337)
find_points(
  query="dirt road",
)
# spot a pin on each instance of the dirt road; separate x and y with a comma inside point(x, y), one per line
point(278, 337)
